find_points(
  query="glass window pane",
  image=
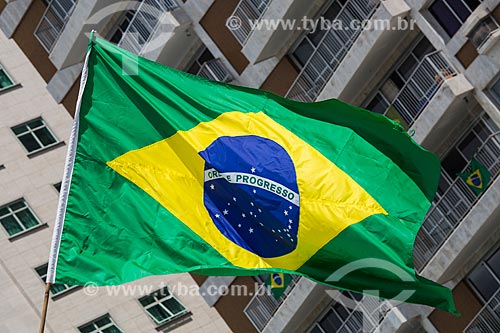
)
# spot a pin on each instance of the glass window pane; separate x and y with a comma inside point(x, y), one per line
point(484, 282)
point(27, 218)
point(330, 322)
point(423, 48)
point(194, 69)
point(4, 211)
point(445, 17)
point(494, 263)
point(42, 270)
point(473, 4)
point(87, 329)
point(44, 136)
point(11, 225)
point(35, 123)
point(173, 305)
point(5, 81)
point(57, 288)
point(17, 205)
point(102, 322)
point(469, 145)
point(205, 56)
point(495, 90)
point(303, 52)
point(147, 300)
point(316, 330)
point(112, 329)
point(333, 11)
point(378, 104)
point(19, 129)
point(453, 163)
point(158, 313)
point(29, 142)
point(407, 67)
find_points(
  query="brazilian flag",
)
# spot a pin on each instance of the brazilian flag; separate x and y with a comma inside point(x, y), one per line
point(277, 284)
point(169, 173)
point(477, 178)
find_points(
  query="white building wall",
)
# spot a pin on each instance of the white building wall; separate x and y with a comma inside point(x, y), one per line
point(32, 178)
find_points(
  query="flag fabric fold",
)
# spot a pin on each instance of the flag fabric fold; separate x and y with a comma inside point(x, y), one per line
point(174, 173)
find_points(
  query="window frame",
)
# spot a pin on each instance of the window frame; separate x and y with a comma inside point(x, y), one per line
point(4, 70)
point(99, 329)
point(32, 133)
point(477, 27)
point(158, 301)
point(43, 277)
point(453, 12)
point(196, 60)
point(483, 262)
point(493, 96)
point(12, 213)
point(331, 307)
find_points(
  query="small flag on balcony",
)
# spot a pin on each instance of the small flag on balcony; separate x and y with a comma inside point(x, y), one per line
point(477, 178)
point(171, 173)
point(278, 282)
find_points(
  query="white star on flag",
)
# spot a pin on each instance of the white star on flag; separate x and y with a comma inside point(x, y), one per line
point(285, 212)
point(212, 186)
point(253, 169)
point(250, 230)
point(225, 212)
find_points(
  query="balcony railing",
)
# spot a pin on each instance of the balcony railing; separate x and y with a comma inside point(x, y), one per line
point(247, 13)
point(145, 22)
point(422, 85)
point(448, 211)
point(488, 319)
point(366, 316)
point(215, 70)
point(53, 21)
point(263, 305)
point(331, 50)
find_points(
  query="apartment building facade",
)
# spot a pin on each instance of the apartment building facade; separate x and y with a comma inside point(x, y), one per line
point(439, 77)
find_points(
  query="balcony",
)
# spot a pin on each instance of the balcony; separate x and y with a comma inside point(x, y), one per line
point(331, 50)
point(215, 70)
point(53, 21)
point(488, 319)
point(422, 86)
point(248, 12)
point(263, 305)
point(446, 213)
point(143, 25)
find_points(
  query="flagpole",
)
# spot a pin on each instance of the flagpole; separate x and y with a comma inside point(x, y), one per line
point(64, 193)
point(44, 307)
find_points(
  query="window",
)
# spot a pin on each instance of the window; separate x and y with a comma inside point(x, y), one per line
point(451, 14)
point(122, 27)
point(482, 31)
point(495, 92)
point(34, 135)
point(337, 317)
point(5, 80)
point(416, 92)
point(457, 157)
point(17, 217)
point(55, 289)
point(162, 306)
point(485, 278)
point(204, 56)
point(100, 325)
